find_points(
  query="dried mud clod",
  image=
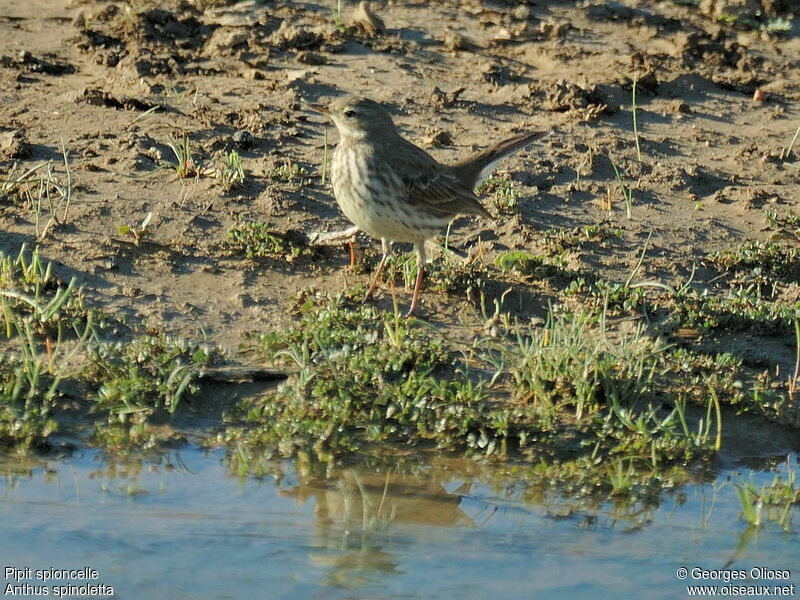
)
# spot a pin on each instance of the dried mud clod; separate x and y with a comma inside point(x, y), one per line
point(107, 50)
point(28, 63)
point(98, 97)
point(452, 41)
point(437, 137)
point(295, 37)
point(499, 74)
point(735, 9)
point(444, 99)
point(227, 42)
point(564, 96)
point(366, 20)
point(154, 42)
point(314, 59)
point(14, 144)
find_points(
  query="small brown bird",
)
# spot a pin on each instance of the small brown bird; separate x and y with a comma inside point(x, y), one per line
point(394, 190)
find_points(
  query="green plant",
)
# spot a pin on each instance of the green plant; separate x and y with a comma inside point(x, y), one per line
point(43, 189)
point(635, 125)
point(774, 501)
point(184, 165)
point(338, 19)
point(231, 173)
point(287, 172)
point(567, 398)
point(149, 373)
point(505, 193)
point(30, 288)
point(773, 259)
point(568, 364)
point(40, 316)
point(30, 373)
point(137, 232)
point(627, 192)
point(366, 377)
point(254, 239)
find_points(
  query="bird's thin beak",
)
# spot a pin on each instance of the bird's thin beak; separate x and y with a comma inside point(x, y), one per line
point(319, 108)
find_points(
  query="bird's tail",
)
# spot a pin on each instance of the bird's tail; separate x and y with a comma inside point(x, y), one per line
point(475, 169)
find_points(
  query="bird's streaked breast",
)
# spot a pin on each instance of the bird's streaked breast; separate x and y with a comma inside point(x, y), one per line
point(374, 198)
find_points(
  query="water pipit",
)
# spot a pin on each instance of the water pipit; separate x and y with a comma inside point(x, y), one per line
point(394, 190)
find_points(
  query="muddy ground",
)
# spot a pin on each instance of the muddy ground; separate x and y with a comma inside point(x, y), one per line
point(113, 82)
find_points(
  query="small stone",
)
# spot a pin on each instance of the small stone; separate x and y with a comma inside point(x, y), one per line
point(310, 58)
point(243, 139)
point(681, 107)
point(521, 12)
point(155, 153)
point(254, 75)
point(299, 74)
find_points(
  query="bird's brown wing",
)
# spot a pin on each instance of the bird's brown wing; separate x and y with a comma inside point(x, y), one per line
point(434, 186)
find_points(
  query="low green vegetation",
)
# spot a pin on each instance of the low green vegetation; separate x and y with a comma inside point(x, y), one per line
point(44, 189)
point(604, 396)
point(150, 373)
point(504, 194)
point(787, 224)
point(576, 399)
point(553, 249)
point(287, 172)
point(760, 260)
point(771, 502)
point(447, 275)
point(53, 341)
point(774, 25)
point(231, 172)
point(254, 239)
point(609, 396)
point(185, 164)
point(46, 324)
point(135, 383)
point(30, 291)
point(756, 296)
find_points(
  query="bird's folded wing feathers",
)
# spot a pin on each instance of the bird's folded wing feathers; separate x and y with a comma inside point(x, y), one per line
point(434, 186)
point(441, 193)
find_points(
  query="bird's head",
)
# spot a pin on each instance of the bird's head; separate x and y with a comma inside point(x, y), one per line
point(356, 117)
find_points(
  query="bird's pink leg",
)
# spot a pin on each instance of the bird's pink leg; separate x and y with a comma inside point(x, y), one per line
point(352, 247)
point(387, 249)
point(420, 272)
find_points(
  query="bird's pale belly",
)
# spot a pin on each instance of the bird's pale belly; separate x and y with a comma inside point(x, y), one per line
point(377, 205)
point(381, 221)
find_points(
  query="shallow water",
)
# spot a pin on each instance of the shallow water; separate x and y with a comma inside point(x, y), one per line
point(186, 528)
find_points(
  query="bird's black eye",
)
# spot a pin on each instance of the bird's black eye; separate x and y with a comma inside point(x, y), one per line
point(349, 114)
